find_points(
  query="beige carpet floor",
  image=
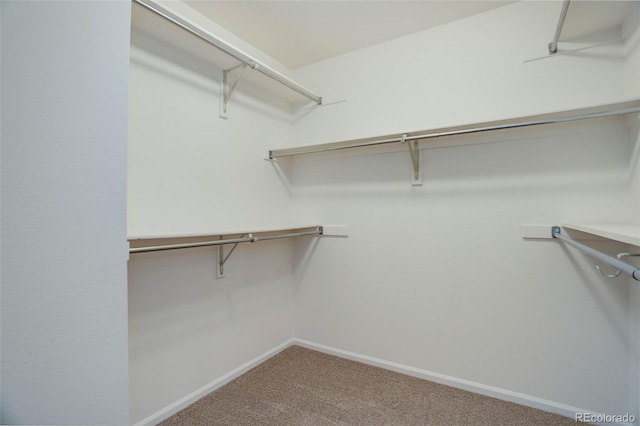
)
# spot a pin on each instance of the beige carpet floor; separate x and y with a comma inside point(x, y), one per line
point(304, 387)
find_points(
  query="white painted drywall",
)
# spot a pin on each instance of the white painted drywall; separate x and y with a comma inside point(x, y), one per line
point(471, 70)
point(631, 36)
point(631, 33)
point(634, 320)
point(64, 248)
point(191, 172)
point(437, 277)
point(0, 220)
point(188, 329)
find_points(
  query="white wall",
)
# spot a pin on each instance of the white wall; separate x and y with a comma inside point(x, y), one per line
point(634, 192)
point(631, 33)
point(438, 277)
point(64, 289)
point(0, 222)
point(471, 70)
point(191, 172)
point(434, 277)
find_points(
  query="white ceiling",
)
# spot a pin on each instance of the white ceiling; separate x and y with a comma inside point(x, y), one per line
point(300, 32)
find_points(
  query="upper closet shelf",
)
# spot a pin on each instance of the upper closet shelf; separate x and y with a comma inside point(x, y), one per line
point(624, 233)
point(412, 139)
point(245, 60)
point(606, 110)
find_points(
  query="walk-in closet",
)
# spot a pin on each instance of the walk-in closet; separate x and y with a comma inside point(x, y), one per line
point(205, 197)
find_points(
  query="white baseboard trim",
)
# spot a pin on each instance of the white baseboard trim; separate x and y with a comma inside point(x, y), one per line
point(183, 403)
point(479, 388)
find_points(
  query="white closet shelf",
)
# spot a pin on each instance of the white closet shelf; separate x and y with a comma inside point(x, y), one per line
point(154, 243)
point(624, 233)
point(224, 232)
point(597, 111)
point(412, 140)
point(162, 21)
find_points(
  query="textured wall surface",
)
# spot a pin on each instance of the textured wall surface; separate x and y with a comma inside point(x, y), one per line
point(64, 248)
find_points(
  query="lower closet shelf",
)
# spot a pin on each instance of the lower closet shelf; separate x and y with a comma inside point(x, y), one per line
point(184, 241)
point(624, 233)
point(618, 233)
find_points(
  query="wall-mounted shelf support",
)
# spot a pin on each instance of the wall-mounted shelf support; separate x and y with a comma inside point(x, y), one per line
point(227, 90)
point(414, 152)
point(222, 259)
point(553, 46)
point(616, 263)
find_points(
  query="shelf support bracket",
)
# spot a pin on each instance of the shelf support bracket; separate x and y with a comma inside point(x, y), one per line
point(227, 90)
point(553, 46)
point(414, 152)
point(222, 259)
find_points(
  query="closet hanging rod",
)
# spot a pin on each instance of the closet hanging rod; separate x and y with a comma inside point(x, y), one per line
point(621, 266)
point(291, 235)
point(312, 149)
point(553, 46)
point(229, 50)
point(249, 239)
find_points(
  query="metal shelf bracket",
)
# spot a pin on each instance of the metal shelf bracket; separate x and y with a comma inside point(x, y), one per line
point(553, 46)
point(227, 90)
point(222, 259)
point(414, 152)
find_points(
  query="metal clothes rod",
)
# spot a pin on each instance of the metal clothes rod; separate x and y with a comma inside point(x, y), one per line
point(190, 245)
point(621, 266)
point(249, 239)
point(231, 51)
point(292, 235)
point(325, 148)
point(553, 46)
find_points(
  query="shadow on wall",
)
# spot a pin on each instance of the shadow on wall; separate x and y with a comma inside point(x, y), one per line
point(633, 124)
point(176, 292)
point(282, 168)
point(202, 75)
point(611, 295)
point(303, 250)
